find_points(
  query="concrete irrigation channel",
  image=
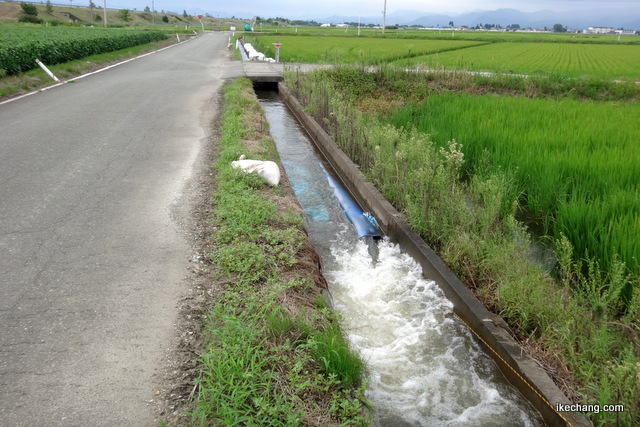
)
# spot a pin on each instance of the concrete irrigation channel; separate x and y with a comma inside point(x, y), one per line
point(436, 355)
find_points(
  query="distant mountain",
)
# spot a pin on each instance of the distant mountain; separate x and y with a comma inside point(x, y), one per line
point(628, 18)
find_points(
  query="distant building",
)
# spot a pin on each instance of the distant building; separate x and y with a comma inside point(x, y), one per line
point(335, 25)
point(626, 32)
point(600, 30)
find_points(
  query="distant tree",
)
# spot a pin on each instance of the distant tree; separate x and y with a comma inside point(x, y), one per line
point(29, 14)
point(558, 28)
point(125, 15)
point(147, 9)
point(165, 19)
point(184, 14)
point(49, 7)
point(29, 9)
point(98, 18)
point(451, 23)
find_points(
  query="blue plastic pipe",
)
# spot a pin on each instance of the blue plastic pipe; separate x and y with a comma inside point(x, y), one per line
point(365, 223)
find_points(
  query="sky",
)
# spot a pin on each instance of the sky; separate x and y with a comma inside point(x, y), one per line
point(304, 8)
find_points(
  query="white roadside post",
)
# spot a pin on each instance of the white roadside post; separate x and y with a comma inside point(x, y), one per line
point(104, 16)
point(277, 46)
point(46, 70)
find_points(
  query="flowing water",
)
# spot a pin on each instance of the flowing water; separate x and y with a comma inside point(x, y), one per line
point(424, 368)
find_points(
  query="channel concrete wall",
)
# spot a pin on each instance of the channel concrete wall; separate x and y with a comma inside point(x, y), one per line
point(519, 369)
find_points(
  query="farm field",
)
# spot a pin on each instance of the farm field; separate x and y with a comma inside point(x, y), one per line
point(444, 34)
point(562, 155)
point(569, 59)
point(351, 49)
point(21, 45)
point(500, 53)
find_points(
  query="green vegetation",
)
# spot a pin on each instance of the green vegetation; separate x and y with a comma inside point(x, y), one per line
point(443, 34)
point(567, 59)
point(592, 56)
point(274, 352)
point(20, 46)
point(561, 156)
point(29, 13)
point(37, 78)
point(577, 319)
point(338, 50)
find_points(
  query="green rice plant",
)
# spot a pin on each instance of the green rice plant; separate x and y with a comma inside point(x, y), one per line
point(560, 155)
point(350, 50)
point(444, 34)
point(568, 59)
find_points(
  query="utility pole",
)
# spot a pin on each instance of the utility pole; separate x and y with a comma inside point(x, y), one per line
point(384, 16)
point(104, 9)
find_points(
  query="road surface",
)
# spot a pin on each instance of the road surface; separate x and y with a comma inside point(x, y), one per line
point(92, 261)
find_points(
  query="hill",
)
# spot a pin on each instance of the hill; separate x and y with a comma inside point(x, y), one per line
point(11, 11)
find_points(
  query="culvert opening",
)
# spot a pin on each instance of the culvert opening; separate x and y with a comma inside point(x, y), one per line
point(261, 86)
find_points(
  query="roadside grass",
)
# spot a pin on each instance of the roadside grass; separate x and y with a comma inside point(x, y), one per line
point(37, 79)
point(274, 353)
point(564, 318)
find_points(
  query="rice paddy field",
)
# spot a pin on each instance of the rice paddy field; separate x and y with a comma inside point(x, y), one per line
point(572, 161)
point(568, 59)
point(447, 34)
point(580, 55)
point(338, 50)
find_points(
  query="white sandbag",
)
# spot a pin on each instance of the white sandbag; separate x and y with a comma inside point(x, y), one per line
point(267, 170)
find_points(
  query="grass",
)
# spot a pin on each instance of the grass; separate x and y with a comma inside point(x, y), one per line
point(268, 361)
point(570, 320)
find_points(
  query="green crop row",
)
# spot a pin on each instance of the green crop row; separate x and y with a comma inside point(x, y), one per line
point(20, 48)
point(569, 59)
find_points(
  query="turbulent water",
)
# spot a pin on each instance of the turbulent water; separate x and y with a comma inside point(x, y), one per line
point(423, 366)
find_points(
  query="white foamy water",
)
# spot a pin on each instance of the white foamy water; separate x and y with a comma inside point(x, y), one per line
point(424, 367)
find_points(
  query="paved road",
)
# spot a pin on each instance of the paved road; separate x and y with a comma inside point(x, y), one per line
point(92, 262)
